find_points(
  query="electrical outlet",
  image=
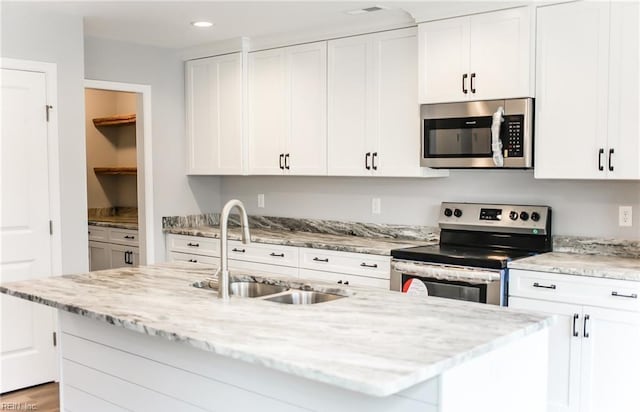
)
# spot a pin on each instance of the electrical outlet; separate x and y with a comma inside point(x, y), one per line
point(625, 217)
point(261, 200)
point(375, 206)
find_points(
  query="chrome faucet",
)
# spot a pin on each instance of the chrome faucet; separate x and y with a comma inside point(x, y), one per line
point(223, 271)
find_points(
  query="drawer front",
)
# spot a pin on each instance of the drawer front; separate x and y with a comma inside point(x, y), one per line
point(343, 279)
point(583, 290)
point(98, 233)
point(263, 253)
point(358, 264)
point(193, 245)
point(261, 269)
point(123, 236)
point(188, 257)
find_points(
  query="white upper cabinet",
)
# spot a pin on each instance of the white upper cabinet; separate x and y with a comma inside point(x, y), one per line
point(287, 110)
point(374, 119)
point(480, 57)
point(214, 90)
point(587, 91)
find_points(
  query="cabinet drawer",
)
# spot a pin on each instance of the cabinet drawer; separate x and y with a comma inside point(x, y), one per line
point(123, 236)
point(98, 233)
point(263, 253)
point(359, 264)
point(342, 279)
point(194, 245)
point(608, 293)
point(189, 257)
point(261, 269)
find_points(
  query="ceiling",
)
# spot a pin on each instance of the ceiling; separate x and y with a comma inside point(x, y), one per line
point(167, 23)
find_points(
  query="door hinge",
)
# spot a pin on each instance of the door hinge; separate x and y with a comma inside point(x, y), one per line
point(55, 339)
point(51, 227)
point(48, 108)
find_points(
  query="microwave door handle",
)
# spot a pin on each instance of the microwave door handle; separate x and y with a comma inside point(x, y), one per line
point(496, 143)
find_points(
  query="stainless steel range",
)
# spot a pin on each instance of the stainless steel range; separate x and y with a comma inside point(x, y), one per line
point(476, 243)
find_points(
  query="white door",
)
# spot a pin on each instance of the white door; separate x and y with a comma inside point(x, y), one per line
point(624, 91)
point(499, 62)
point(306, 147)
point(564, 351)
point(99, 256)
point(267, 112)
point(571, 90)
point(28, 355)
point(610, 361)
point(350, 106)
point(123, 256)
point(444, 61)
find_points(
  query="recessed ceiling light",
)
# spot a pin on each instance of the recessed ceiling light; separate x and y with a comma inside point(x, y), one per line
point(201, 23)
point(367, 10)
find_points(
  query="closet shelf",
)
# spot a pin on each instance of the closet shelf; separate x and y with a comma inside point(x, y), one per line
point(115, 170)
point(115, 120)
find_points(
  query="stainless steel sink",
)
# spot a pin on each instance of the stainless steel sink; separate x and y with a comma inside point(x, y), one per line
point(303, 297)
point(255, 290)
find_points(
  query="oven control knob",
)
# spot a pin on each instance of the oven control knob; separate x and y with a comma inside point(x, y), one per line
point(524, 216)
point(457, 213)
point(448, 212)
point(535, 216)
point(513, 215)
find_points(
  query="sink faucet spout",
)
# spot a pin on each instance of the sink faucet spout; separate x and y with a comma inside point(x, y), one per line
point(223, 271)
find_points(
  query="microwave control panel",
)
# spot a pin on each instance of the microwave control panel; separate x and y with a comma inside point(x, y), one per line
point(514, 136)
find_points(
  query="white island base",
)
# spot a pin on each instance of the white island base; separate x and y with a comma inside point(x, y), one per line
point(110, 368)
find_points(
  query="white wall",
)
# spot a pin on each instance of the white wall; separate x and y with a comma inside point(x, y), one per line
point(163, 70)
point(30, 35)
point(588, 208)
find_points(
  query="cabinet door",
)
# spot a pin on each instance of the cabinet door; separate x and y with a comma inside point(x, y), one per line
point(571, 90)
point(307, 109)
point(349, 105)
point(610, 361)
point(624, 90)
point(500, 57)
point(214, 115)
point(99, 256)
point(123, 256)
point(564, 351)
point(444, 60)
point(267, 111)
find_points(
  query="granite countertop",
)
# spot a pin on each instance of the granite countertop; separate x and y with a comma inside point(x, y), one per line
point(610, 267)
point(375, 342)
point(343, 243)
point(119, 222)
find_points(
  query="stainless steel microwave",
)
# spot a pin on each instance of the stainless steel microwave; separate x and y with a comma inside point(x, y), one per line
point(480, 134)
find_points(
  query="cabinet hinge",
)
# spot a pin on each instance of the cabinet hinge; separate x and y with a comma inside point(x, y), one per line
point(48, 108)
point(51, 227)
point(55, 339)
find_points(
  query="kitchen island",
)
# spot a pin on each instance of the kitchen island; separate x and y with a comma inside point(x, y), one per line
point(146, 339)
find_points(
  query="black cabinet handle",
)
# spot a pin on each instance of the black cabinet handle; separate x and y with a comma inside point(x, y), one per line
point(473, 87)
point(600, 153)
point(280, 161)
point(193, 260)
point(575, 318)
point(537, 285)
point(238, 250)
point(346, 282)
point(193, 244)
point(129, 237)
point(339, 282)
point(584, 327)
point(277, 254)
point(610, 164)
point(286, 161)
point(464, 85)
point(620, 295)
point(373, 161)
point(317, 259)
point(364, 265)
point(128, 257)
point(366, 161)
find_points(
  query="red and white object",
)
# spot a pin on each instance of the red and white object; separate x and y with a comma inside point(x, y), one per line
point(415, 287)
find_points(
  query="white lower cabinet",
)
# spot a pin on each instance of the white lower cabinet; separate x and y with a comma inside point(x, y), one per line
point(594, 355)
point(111, 248)
point(99, 258)
point(122, 256)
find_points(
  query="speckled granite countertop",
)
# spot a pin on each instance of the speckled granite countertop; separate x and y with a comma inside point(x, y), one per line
point(343, 243)
point(364, 342)
point(611, 267)
point(115, 222)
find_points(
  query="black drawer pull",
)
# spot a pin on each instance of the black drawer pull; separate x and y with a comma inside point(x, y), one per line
point(364, 265)
point(620, 295)
point(238, 250)
point(584, 327)
point(193, 244)
point(193, 260)
point(317, 259)
point(575, 318)
point(129, 237)
point(276, 254)
point(537, 285)
point(339, 282)
point(346, 282)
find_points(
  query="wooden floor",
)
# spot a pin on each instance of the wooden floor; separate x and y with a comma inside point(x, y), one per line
point(41, 398)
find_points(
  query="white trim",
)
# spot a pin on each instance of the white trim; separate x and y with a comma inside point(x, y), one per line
point(145, 201)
